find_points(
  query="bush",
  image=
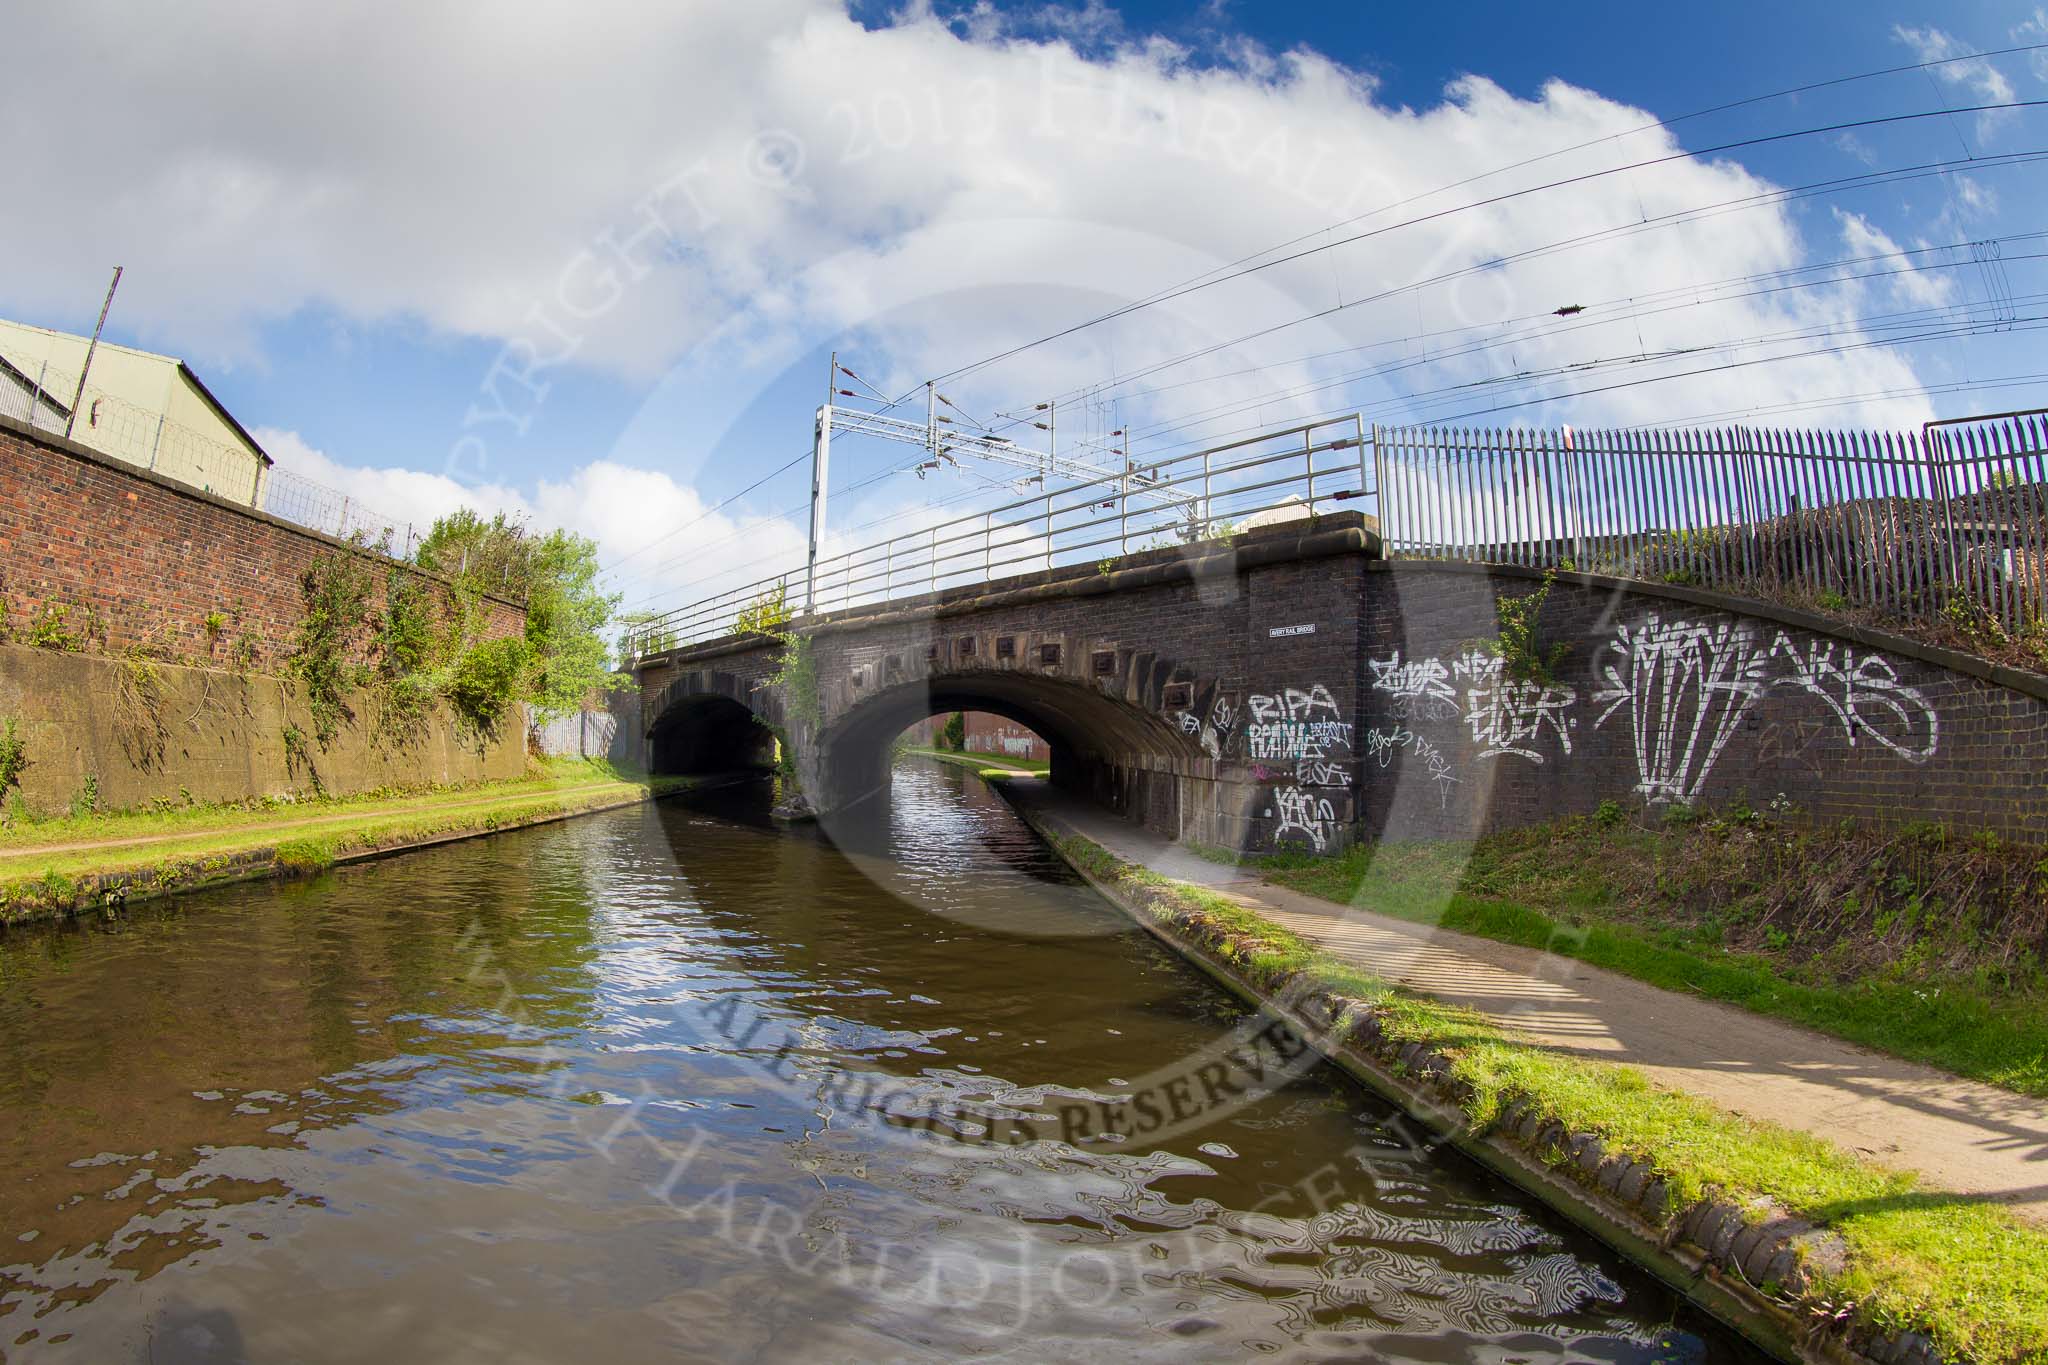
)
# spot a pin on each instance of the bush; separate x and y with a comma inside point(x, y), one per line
point(765, 615)
point(486, 679)
point(954, 735)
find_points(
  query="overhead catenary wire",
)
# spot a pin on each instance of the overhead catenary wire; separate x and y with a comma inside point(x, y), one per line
point(1562, 182)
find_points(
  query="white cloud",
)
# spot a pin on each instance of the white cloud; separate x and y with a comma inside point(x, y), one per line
point(1908, 285)
point(1982, 82)
point(2035, 30)
point(703, 192)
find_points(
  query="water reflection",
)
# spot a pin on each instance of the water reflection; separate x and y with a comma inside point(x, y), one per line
point(652, 1083)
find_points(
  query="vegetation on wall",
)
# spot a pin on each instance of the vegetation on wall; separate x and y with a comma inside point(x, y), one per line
point(560, 660)
point(13, 756)
point(335, 592)
point(1522, 656)
point(796, 673)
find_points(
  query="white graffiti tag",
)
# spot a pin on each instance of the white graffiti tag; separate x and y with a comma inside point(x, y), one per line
point(1865, 695)
point(1686, 688)
point(1509, 715)
point(1384, 744)
point(1424, 680)
point(1296, 725)
point(1304, 814)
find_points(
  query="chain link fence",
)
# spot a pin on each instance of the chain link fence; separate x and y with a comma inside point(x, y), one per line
point(40, 395)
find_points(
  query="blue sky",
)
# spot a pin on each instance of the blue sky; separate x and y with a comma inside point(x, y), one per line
point(351, 271)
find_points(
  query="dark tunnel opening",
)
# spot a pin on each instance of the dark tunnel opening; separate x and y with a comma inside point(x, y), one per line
point(710, 734)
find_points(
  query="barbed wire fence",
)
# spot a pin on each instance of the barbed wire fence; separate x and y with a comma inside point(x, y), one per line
point(40, 395)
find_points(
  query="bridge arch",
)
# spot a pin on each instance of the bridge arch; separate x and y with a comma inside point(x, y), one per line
point(707, 721)
point(1118, 750)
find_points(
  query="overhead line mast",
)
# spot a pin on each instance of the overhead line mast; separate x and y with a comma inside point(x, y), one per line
point(943, 439)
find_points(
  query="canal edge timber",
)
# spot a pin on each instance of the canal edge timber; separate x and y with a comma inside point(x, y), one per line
point(1713, 1252)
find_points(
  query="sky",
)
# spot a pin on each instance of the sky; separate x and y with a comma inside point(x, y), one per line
point(585, 263)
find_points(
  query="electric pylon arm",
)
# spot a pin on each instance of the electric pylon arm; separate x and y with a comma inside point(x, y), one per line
point(947, 440)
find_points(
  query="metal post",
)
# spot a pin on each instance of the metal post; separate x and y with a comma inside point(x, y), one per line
point(157, 444)
point(90, 347)
point(1308, 464)
point(821, 457)
point(1938, 468)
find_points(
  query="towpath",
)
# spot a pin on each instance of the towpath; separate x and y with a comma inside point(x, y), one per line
point(1961, 1136)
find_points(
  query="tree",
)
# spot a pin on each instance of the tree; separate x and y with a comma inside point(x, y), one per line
point(954, 735)
point(494, 556)
point(566, 614)
point(561, 657)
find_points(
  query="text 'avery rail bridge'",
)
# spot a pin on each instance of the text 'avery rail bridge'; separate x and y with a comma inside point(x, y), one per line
point(1324, 633)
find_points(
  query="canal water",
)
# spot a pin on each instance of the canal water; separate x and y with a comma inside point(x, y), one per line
point(671, 1084)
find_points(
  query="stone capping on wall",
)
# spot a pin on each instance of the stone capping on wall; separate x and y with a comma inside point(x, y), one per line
point(2018, 679)
point(1327, 536)
point(85, 454)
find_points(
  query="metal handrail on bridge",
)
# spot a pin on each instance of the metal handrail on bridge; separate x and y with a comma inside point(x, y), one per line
point(1198, 495)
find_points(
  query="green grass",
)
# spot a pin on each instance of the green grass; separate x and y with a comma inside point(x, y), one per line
point(190, 847)
point(1967, 1274)
point(177, 817)
point(987, 765)
point(1973, 1021)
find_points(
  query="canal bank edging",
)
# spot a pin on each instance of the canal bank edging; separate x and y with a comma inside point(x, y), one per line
point(113, 891)
point(1717, 1253)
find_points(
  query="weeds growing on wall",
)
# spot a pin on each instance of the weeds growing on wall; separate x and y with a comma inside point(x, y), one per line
point(1522, 656)
point(796, 673)
point(335, 590)
point(52, 628)
point(13, 756)
point(410, 642)
point(138, 704)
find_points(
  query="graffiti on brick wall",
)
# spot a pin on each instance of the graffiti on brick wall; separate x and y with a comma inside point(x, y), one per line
point(1300, 813)
point(1865, 695)
point(1683, 688)
point(1509, 716)
point(1418, 687)
point(1302, 735)
point(1211, 729)
point(1382, 745)
point(1296, 724)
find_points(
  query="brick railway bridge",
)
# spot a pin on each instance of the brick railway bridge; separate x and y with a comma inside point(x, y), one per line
point(1291, 687)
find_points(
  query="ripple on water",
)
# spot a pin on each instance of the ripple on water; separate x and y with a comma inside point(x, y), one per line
point(692, 1088)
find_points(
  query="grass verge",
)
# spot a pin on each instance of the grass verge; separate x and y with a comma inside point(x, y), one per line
point(1916, 943)
point(1969, 1276)
point(985, 765)
point(58, 878)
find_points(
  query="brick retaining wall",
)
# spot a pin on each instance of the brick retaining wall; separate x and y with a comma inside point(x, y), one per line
point(1670, 697)
point(153, 558)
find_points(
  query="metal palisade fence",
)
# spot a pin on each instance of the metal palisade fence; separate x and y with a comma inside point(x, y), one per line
point(1916, 524)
